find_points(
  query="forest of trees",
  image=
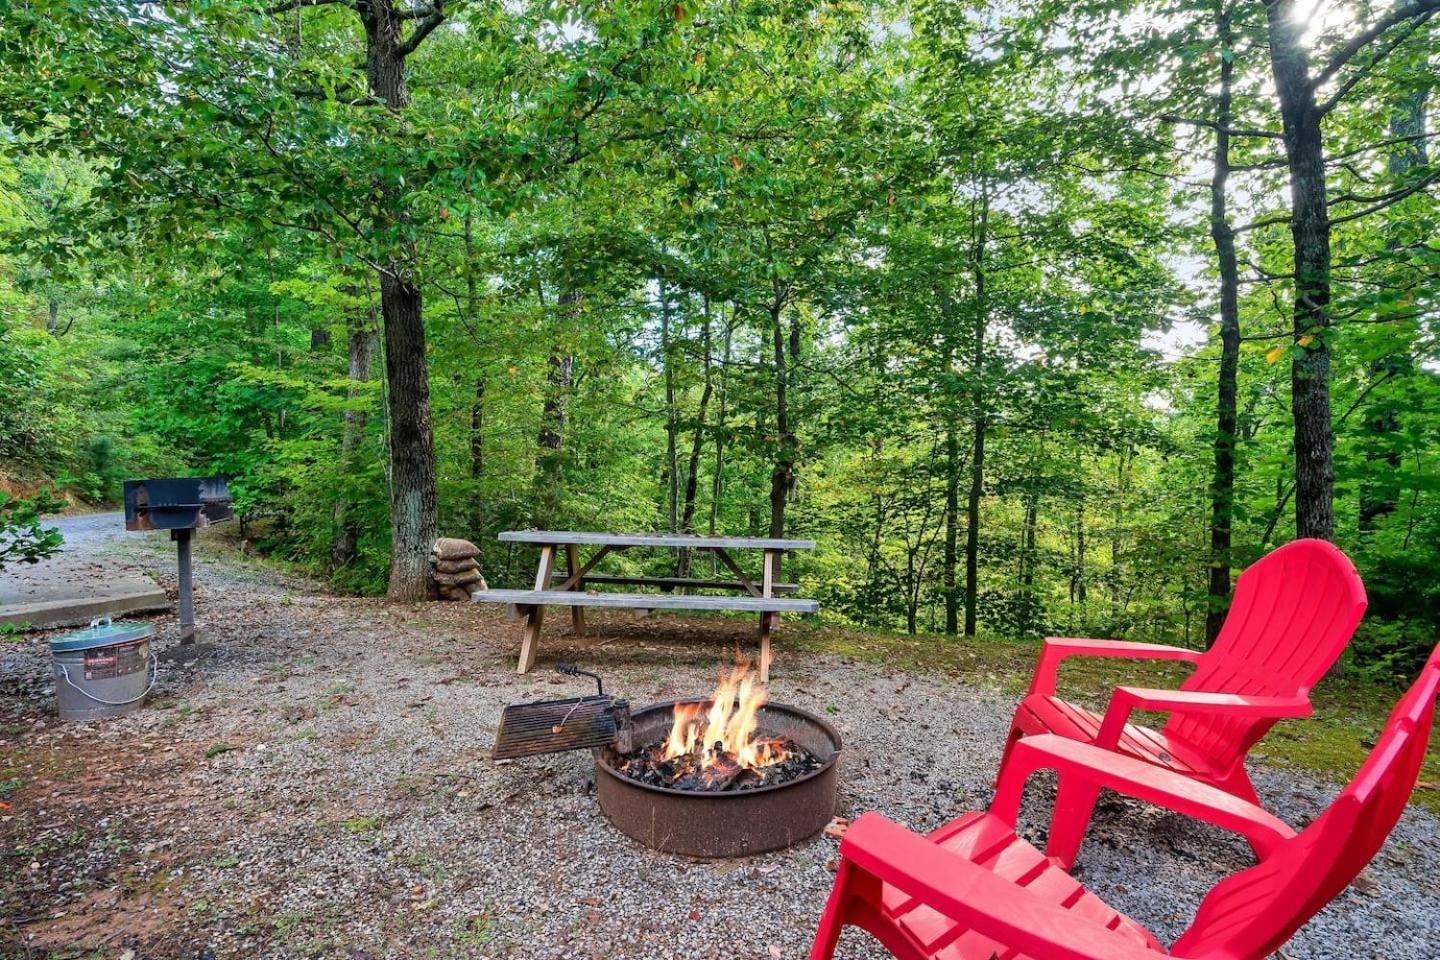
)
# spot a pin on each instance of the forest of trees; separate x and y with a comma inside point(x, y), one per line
point(1039, 317)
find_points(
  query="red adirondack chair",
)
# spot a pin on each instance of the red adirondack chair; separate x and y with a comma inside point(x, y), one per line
point(972, 890)
point(1292, 613)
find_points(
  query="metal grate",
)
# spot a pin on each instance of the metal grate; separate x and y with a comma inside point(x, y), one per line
point(527, 729)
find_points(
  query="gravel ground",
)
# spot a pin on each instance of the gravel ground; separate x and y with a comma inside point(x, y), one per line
point(318, 786)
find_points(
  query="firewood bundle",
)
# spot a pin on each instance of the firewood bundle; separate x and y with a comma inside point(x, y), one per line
point(455, 569)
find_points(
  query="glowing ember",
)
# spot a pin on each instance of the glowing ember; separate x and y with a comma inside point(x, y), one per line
point(715, 745)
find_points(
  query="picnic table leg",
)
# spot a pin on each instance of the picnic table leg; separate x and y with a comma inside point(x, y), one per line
point(531, 641)
point(768, 620)
point(767, 623)
point(572, 568)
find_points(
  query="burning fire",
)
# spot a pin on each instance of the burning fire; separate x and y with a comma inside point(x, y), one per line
point(720, 740)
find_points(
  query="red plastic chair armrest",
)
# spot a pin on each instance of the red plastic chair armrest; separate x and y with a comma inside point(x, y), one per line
point(1124, 700)
point(1059, 649)
point(971, 895)
point(1136, 778)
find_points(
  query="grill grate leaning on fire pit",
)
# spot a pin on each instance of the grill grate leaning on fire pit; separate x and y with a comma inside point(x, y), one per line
point(650, 765)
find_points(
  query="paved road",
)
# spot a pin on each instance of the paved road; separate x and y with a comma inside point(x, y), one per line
point(84, 580)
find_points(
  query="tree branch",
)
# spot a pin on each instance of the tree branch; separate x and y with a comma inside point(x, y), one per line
point(1406, 11)
point(1395, 196)
point(297, 4)
point(424, 28)
point(1360, 74)
point(1267, 222)
point(1232, 131)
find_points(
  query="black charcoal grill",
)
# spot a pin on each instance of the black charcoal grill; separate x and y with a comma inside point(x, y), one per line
point(180, 505)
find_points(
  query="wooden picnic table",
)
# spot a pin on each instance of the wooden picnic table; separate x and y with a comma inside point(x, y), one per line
point(571, 587)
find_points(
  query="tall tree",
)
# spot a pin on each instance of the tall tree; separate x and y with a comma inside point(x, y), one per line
point(1304, 105)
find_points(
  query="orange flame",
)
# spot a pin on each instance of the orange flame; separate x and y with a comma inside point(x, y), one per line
point(722, 738)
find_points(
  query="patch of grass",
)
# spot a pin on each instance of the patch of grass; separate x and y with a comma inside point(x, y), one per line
point(218, 749)
point(474, 931)
point(362, 824)
point(1349, 711)
point(286, 922)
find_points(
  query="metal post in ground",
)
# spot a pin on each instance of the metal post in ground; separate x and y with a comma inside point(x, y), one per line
point(187, 598)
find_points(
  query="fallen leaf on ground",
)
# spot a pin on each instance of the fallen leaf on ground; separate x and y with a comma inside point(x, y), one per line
point(836, 828)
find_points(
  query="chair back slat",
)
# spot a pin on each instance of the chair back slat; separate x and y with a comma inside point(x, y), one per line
point(1252, 913)
point(1292, 614)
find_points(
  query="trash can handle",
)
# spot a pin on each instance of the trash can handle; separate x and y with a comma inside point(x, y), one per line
point(154, 675)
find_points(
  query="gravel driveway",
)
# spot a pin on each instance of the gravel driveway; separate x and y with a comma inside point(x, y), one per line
point(318, 786)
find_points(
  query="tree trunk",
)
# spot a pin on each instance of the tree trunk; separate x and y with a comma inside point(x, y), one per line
point(672, 425)
point(697, 442)
point(1222, 487)
point(950, 552)
point(716, 482)
point(477, 402)
point(952, 528)
point(413, 518)
point(549, 462)
point(1027, 560)
point(1380, 491)
point(972, 528)
point(477, 454)
point(1310, 236)
point(782, 477)
point(978, 414)
point(360, 348)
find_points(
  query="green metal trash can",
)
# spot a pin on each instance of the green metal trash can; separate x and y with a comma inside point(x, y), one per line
point(105, 671)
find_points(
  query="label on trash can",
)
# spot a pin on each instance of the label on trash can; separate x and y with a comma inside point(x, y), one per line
point(108, 662)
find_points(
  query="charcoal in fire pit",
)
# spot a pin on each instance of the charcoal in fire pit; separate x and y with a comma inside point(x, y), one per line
point(649, 765)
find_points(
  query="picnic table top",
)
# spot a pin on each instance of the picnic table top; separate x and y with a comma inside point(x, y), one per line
point(652, 540)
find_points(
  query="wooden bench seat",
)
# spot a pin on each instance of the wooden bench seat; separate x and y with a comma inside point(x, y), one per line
point(644, 601)
point(694, 583)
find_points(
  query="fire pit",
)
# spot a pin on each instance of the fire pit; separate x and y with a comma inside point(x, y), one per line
point(726, 776)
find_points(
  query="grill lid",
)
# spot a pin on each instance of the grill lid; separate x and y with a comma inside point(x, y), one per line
point(101, 633)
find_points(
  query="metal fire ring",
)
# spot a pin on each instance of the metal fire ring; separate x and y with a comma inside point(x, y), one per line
point(728, 823)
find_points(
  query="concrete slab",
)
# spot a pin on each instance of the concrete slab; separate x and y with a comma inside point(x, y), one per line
point(76, 586)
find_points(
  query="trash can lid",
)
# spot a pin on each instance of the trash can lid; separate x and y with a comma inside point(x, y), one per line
point(101, 634)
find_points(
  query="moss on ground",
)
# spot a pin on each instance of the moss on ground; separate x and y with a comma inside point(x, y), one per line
point(1349, 711)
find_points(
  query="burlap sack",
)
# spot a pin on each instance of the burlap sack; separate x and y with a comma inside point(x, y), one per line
point(450, 548)
point(456, 566)
point(457, 579)
point(454, 593)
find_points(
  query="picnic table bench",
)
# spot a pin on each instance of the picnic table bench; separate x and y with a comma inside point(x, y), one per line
point(570, 587)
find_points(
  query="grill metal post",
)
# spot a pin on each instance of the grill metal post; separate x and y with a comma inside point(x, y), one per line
point(187, 596)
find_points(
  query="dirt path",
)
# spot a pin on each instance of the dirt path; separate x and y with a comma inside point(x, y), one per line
point(319, 786)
